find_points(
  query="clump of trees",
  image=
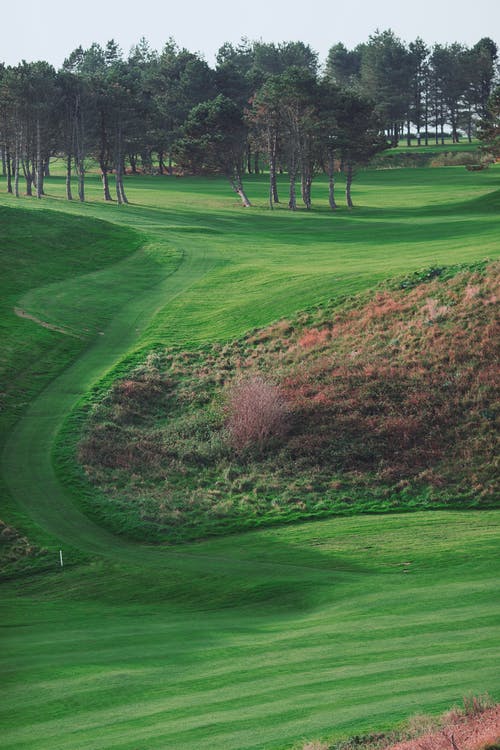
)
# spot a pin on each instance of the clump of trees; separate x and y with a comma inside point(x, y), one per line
point(418, 87)
point(262, 104)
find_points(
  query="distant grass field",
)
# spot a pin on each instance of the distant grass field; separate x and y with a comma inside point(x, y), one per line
point(247, 642)
point(433, 148)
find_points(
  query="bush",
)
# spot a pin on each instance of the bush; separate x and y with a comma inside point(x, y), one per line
point(454, 159)
point(475, 705)
point(257, 413)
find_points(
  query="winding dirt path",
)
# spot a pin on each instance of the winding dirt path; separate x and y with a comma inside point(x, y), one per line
point(59, 329)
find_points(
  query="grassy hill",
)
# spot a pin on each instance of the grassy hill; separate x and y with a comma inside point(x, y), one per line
point(248, 641)
point(386, 402)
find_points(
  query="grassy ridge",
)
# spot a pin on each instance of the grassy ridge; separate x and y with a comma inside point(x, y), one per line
point(41, 249)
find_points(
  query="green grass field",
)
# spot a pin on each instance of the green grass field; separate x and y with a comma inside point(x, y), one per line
point(244, 642)
point(434, 148)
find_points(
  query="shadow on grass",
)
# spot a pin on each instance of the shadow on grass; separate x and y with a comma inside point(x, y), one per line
point(240, 571)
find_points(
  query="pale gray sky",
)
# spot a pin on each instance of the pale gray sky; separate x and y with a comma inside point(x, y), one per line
point(51, 29)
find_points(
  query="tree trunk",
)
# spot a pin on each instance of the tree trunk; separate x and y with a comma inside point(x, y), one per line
point(147, 162)
point(39, 162)
point(408, 133)
point(306, 182)
point(46, 167)
point(119, 168)
point(120, 187)
point(273, 185)
point(308, 200)
point(292, 201)
point(454, 129)
point(395, 135)
point(81, 180)
point(9, 170)
point(249, 159)
point(237, 186)
point(348, 183)
point(16, 173)
point(105, 181)
point(256, 167)
point(79, 134)
point(331, 181)
point(161, 163)
point(28, 176)
point(4, 162)
point(69, 194)
point(117, 187)
point(133, 163)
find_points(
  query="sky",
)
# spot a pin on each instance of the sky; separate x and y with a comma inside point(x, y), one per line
point(51, 29)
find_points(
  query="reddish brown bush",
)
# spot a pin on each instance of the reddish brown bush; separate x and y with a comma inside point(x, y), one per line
point(313, 337)
point(257, 412)
point(465, 731)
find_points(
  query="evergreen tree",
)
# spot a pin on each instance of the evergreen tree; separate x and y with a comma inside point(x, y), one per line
point(213, 141)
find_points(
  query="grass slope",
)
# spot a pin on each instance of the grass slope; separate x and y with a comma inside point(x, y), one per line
point(193, 647)
point(333, 627)
point(39, 249)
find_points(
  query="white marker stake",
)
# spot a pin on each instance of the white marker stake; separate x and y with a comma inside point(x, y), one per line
point(60, 558)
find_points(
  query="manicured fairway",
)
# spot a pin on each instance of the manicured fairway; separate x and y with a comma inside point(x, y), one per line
point(256, 641)
point(245, 268)
point(339, 626)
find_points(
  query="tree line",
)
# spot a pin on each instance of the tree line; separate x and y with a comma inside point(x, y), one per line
point(261, 104)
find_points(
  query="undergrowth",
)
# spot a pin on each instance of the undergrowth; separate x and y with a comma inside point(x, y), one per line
point(472, 726)
point(391, 405)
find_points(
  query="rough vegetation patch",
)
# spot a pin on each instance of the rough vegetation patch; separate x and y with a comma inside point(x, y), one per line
point(387, 404)
point(17, 553)
point(475, 726)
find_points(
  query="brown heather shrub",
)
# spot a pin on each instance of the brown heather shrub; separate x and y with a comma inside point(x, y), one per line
point(472, 728)
point(14, 546)
point(256, 413)
point(455, 159)
point(471, 291)
point(434, 310)
point(475, 705)
point(457, 729)
point(313, 337)
point(384, 305)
